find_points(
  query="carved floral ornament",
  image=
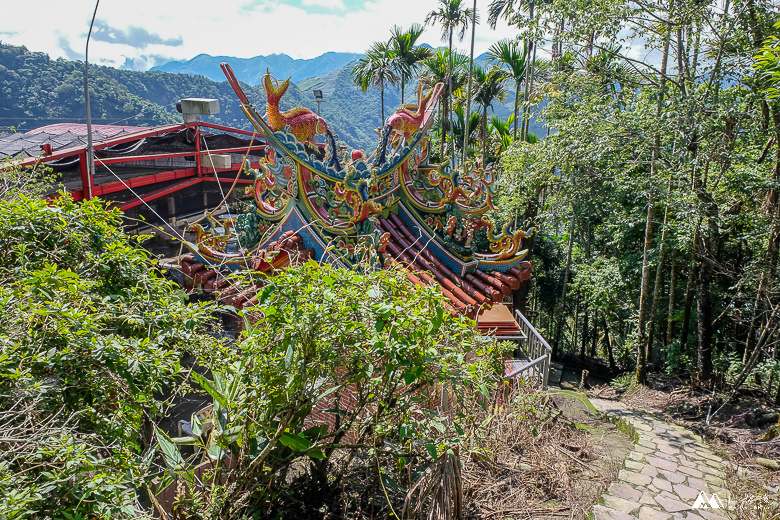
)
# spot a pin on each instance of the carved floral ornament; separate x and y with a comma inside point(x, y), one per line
point(341, 189)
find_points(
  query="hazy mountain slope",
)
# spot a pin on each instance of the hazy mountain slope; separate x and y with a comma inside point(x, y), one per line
point(251, 70)
point(36, 91)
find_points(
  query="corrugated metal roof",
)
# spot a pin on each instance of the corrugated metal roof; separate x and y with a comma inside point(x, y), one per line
point(59, 136)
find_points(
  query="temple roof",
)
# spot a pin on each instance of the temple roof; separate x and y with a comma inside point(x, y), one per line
point(479, 295)
point(469, 293)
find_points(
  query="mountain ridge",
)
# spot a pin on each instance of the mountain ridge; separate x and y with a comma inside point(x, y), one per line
point(36, 90)
point(251, 70)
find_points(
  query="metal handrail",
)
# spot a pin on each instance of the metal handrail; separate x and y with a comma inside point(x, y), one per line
point(538, 349)
point(528, 365)
point(532, 329)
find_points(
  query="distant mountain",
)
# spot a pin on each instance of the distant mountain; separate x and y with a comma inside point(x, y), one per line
point(251, 70)
point(36, 90)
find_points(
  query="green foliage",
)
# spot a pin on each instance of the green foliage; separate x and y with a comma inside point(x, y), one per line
point(676, 359)
point(370, 350)
point(380, 68)
point(92, 337)
point(625, 380)
point(30, 182)
point(409, 56)
point(693, 138)
point(767, 63)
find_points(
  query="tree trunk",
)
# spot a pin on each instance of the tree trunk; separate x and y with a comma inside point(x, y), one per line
point(467, 119)
point(594, 335)
point(670, 311)
point(706, 246)
point(528, 68)
point(574, 327)
point(520, 297)
point(658, 278)
point(588, 244)
point(704, 321)
point(777, 399)
point(484, 136)
point(768, 276)
point(517, 100)
point(584, 331)
point(562, 316)
point(644, 296)
point(530, 91)
point(689, 293)
point(443, 111)
point(610, 356)
point(447, 115)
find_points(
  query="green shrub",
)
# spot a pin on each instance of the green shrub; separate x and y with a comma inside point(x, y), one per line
point(91, 337)
point(372, 350)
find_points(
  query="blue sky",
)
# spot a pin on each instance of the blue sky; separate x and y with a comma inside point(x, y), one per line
point(144, 33)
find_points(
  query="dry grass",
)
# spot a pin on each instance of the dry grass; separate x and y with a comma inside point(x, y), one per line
point(527, 461)
point(531, 462)
point(438, 495)
point(754, 490)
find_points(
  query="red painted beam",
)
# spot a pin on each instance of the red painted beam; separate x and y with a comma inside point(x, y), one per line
point(160, 193)
point(133, 158)
point(228, 181)
point(135, 182)
point(257, 135)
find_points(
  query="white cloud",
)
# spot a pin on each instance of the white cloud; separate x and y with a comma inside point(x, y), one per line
point(227, 28)
point(327, 4)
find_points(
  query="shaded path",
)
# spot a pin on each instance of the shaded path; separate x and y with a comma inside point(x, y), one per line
point(664, 473)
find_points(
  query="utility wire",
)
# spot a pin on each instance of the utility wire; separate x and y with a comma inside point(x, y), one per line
point(180, 237)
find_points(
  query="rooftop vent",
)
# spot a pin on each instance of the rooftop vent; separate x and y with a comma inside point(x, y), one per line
point(193, 108)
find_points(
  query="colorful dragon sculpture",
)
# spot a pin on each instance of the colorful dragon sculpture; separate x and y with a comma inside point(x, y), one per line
point(332, 195)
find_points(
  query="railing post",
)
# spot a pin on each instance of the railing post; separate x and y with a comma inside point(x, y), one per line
point(537, 346)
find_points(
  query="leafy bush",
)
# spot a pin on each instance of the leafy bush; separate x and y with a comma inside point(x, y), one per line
point(370, 351)
point(91, 338)
point(16, 181)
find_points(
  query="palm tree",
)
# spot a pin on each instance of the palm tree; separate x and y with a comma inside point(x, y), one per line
point(452, 16)
point(490, 88)
point(409, 57)
point(613, 72)
point(507, 53)
point(377, 69)
point(436, 70)
point(459, 126)
point(512, 13)
point(501, 130)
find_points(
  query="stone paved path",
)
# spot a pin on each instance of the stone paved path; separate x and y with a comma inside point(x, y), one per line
point(664, 473)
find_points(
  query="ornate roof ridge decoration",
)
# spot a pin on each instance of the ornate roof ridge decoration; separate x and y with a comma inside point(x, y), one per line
point(345, 203)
